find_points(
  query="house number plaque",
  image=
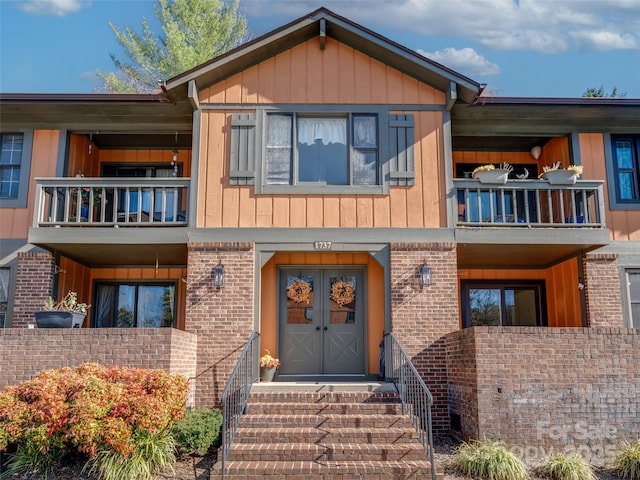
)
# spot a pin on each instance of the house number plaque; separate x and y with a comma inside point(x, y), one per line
point(322, 245)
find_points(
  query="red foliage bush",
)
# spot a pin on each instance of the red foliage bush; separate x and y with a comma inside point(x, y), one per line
point(90, 408)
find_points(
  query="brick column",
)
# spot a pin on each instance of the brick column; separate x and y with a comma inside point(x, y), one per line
point(34, 284)
point(222, 318)
point(602, 290)
point(422, 316)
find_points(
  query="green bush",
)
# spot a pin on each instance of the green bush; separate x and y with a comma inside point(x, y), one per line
point(200, 429)
point(489, 459)
point(567, 467)
point(628, 461)
point(152, 453)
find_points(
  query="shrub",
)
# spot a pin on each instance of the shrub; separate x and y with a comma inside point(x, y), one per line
point(489, 459)
point(152, 453)
point(88, 410)
point(568, 467)
point(628, 461)
point(198, 431)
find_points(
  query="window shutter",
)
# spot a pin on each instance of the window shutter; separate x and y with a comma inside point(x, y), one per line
point(243, 135)
point(401, 171)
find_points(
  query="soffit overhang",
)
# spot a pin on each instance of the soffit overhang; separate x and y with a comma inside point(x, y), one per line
point(91, 113)
point(345, 31)
point(536, 116)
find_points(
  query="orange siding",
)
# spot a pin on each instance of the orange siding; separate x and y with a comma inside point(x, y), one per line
point(623, 224)
point(15, 222)
point(307, 75)
point(374, 292)
point(562, 293)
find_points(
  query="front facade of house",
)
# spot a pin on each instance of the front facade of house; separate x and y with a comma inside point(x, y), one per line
point(320, 171)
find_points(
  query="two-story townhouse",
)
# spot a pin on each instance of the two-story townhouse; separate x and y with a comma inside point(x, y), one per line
point(314, 185)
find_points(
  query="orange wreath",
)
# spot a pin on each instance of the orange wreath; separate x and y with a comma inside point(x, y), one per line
point(299, 291)
point(342, 293)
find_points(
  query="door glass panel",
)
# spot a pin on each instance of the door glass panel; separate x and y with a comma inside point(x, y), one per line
point(485, 306)
point(520, 305)
point(342, 299)
point(155, 306)
point(299, 299)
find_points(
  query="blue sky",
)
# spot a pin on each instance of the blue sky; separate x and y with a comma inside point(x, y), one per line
point(537, 48)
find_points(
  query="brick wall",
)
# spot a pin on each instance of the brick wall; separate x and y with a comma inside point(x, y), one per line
point(34, 283)
point(602, 290)
point(222, 318)
point(26, 352)
point(545, 390)
point(422, 316)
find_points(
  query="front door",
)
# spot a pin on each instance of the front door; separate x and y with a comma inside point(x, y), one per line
point(321, 321)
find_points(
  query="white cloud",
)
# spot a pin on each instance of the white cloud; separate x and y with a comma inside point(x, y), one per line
point(466, 61)
point(535, 25)
point(58, 8)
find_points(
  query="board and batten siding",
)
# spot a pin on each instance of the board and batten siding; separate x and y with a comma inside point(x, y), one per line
point(307, 75)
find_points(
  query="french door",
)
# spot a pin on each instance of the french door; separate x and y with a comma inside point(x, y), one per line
point(321, 321)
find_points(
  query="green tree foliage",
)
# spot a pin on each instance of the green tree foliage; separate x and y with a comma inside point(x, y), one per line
point(593, 92)
point(193, 32)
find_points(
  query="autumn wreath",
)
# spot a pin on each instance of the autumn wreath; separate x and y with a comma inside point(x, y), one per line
point(342, 292)
point(299, 291)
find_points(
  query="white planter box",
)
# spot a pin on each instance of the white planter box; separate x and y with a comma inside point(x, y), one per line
point(496, 176)
point(560, 177)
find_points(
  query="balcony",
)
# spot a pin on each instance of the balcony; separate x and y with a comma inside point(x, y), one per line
point(111, 202)
point(530, 204)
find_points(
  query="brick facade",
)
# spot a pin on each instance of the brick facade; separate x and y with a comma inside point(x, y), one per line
point(222, 318)
point(602, 290)
point(34, 284)
point(164, 348)
point(547, 390)
point(422, 316)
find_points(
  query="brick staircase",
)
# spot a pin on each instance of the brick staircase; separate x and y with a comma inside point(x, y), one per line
point(326, 431)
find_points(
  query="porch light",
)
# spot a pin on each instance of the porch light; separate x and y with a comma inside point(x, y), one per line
point(425, 275)
point(218, 275)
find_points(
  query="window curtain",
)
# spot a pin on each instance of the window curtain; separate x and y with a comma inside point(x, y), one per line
point(327, 130)
point(278, 168)
point(106, 301)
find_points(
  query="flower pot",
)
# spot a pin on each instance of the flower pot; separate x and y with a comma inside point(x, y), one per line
point(267, 374)
point(560, 177)
point(59, 319)
point(496, 176)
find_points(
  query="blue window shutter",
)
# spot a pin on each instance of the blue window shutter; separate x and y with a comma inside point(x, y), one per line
point(401, 170)
point(243, 137)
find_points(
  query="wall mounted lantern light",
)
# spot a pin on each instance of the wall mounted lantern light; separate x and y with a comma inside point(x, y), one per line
point(218, 275)
point(425, 275)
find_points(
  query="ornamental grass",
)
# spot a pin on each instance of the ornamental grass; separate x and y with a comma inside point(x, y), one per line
point(488, 459)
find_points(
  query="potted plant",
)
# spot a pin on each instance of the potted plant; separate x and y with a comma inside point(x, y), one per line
point(67, 313)
point(491, 174)
point(268, 367)
point(557, 175)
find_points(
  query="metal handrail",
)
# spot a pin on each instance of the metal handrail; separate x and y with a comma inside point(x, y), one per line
point(414, 394)
point(236, 393)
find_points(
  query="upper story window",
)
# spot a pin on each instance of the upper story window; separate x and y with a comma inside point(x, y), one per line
point(340, 150)
point(626, 169)
point(10, 163)
point(318, 152)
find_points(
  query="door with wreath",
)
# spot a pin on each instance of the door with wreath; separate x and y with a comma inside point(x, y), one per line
point(321, 321)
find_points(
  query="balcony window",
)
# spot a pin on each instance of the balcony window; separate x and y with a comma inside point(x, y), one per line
point(15, 158)
point(503, 304)
point(634, 297)
point(134, 305)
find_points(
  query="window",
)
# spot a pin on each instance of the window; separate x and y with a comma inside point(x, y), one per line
point(10, 163)
point(4, 294)
point(341, 150)
point(134, 305)
point(626, 168)
point(335, 151)
point(633, 278)
point(503, 304)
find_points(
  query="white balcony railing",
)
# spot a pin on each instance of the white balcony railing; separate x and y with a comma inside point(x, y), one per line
point(530, 203)
point(138, 202)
